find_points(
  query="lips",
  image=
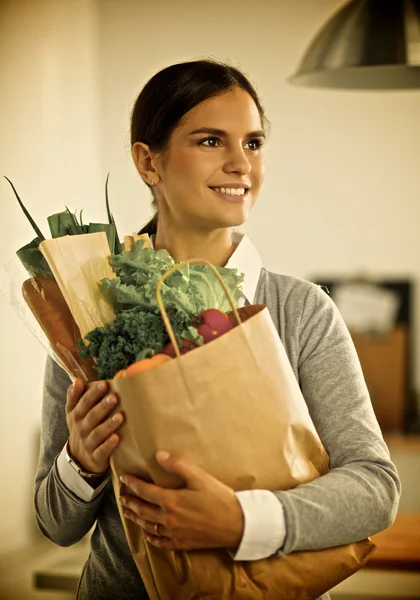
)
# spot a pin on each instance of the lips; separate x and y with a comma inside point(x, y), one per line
point(235, 197)
point(232, 190)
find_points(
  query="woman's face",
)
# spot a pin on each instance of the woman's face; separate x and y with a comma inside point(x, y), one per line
point(212, 170)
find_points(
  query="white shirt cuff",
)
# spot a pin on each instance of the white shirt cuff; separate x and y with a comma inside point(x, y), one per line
point(265, 525)
point(74, 482)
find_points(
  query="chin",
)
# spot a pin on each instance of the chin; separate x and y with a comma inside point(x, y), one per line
point(234, 218)
point(225, 219)
point(238, 221)
point(228, 223)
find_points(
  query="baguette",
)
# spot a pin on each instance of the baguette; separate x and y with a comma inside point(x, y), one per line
point(45, 300)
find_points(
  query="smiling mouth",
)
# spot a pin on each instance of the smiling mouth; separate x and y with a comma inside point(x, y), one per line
point(234, 193)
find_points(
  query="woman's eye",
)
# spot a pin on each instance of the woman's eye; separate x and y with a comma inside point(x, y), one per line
point(254, 144)
point(211, 142)
point(214, 142)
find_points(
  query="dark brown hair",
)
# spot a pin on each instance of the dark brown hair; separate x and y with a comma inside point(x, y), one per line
point(172, 93)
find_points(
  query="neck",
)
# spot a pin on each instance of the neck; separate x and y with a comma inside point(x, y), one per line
point(215, 246)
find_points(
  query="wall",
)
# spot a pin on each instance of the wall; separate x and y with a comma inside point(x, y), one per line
point(50, 148)
point(341, 190)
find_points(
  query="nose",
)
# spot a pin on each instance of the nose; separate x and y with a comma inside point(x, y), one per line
point(237, 161)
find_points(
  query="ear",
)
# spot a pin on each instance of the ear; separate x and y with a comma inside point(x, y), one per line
point(145, 161)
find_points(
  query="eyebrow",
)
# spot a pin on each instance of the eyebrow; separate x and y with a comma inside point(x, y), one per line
point(222, 133)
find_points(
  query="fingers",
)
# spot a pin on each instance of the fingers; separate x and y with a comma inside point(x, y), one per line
point(89, 399)
point(102, 437)
point(101, 454)
point(99, 412)
point(74, 393)
point(148, 492)
point(144, 510)
point(185, 469)
point(150, 527)
point(92, 430)
point(94, 448)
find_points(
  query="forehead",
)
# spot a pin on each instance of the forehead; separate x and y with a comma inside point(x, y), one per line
point(232, 110)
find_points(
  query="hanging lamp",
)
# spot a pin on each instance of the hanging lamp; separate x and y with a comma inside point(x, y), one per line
point(367, 44)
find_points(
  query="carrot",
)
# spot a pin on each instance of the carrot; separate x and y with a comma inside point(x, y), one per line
point(44, 298)
point(143, 365)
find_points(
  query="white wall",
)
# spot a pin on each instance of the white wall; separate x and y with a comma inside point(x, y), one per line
point(50, 148)
point(342, 182)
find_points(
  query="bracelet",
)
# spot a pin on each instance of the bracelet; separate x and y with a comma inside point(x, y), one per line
point(78, 468)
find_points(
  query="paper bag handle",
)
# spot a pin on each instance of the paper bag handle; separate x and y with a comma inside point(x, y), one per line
point(162, 308)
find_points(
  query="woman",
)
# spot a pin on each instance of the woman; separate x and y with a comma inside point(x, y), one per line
point(197, 134)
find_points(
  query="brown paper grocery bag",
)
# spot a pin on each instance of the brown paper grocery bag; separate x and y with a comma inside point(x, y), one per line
point(234, 407)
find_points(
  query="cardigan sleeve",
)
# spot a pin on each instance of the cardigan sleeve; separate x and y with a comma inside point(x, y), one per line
point(62, 516)
point(360, 494)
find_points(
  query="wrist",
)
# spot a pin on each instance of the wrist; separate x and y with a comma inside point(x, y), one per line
point(236, 531)
point(92, 478)
point(96, 481)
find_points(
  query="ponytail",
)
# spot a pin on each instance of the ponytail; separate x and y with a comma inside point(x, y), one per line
point(151, 227)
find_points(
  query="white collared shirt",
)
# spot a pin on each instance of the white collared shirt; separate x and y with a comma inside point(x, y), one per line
point(264, 522)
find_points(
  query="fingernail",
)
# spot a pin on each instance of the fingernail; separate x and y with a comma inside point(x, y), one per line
point(111, 400)
point(162, 455)
point(102, 386)
point(123, 480)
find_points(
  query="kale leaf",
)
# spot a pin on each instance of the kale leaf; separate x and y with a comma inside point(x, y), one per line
point(117, 345)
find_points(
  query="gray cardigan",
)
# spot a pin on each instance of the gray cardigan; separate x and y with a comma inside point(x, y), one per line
point(357, 498)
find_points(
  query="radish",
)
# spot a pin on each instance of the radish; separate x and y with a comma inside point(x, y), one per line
point(184, 346)
point(213, 323)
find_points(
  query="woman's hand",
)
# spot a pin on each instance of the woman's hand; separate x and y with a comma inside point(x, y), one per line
point(205, 514)
point(93, 434)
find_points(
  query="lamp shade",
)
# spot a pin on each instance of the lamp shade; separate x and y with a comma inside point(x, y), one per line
point(368, 44)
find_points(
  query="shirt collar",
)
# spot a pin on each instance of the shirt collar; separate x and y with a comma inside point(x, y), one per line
point(246, 259)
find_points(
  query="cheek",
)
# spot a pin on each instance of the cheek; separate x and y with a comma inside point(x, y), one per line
point(185, 175)
point(258, 170)
point(178, 167)
point(188, 177)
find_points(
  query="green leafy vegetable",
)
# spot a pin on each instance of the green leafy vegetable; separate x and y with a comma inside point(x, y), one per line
point(33, 261)
point(120, 343)
point(210, 288)
point(74, 226)
point(110, 218)
point(138, 327)
point(28, 216)
point(140, 264)
point(117, 245)
point(64, 223)
point(61, 224)
point(190, 290)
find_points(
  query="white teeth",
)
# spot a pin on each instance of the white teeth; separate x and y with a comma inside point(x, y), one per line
point(231, 191)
